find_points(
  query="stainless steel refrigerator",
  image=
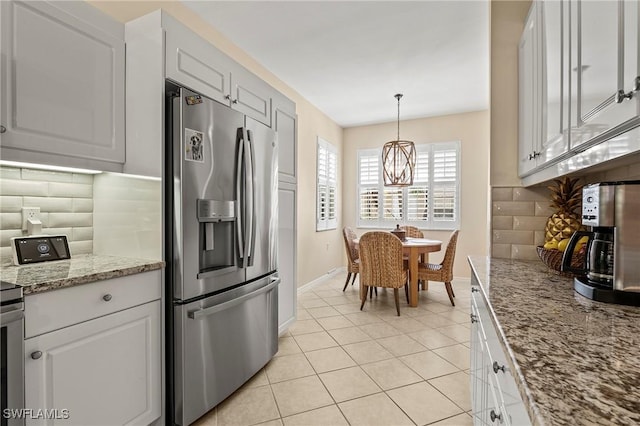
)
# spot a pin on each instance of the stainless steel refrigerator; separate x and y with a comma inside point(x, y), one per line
point(221, 246)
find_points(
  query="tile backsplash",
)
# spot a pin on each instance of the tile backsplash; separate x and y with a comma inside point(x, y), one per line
point(65, 201)
point(103, 214)
point(519, 215)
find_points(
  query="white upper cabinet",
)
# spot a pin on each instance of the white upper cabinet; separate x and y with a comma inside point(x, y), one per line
point(63, 83)
point(578, 78)
point(195, 63)
point(529, 128)
point(605, 50)
point(555, 79)
point(284, 123)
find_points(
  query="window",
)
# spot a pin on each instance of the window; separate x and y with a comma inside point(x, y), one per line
point(326, 201)
point(432, 202)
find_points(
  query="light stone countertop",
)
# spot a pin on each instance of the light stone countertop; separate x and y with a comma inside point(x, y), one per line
point(82, 269)
point(577, 361)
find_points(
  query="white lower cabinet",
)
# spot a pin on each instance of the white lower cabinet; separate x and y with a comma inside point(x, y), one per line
point(103, 371)
point(495, 397)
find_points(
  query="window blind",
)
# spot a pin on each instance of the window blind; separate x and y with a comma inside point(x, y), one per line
point(430, 203)
point(327, 178)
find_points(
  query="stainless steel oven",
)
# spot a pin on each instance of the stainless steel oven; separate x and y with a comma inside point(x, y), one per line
point(11, 355)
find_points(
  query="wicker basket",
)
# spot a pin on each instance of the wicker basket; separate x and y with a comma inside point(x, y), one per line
point(553, 260)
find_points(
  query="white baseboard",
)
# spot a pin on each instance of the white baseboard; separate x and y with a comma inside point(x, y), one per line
point(285, 326)
point(311, 284)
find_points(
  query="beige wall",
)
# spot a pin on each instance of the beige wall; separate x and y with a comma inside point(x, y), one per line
point(472, 130)
point(507, 22)
point(311, 123)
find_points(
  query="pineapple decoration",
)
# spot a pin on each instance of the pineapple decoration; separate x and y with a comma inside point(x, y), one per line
point(566, 196)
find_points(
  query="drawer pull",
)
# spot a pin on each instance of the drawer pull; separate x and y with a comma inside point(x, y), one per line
point(474, 318)
point(474, 289)
point(497, 367)
point(3, 129)
point(495, 416)
point(36, 355)
point(106, 297)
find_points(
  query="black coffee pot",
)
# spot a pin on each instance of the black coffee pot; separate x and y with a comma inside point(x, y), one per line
point(598, 262)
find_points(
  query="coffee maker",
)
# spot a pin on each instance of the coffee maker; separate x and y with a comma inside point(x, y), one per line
point(611, 268)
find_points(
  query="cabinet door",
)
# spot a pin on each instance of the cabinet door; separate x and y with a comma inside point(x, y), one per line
point(528, 95)
point(606, 35)
point(630, 76)
point(62, 87)
point(598, 38)
point(554, 79)
point(103, 371)
point(250, 95)
point(284, 123)
point(287, 294)
point(194, 63)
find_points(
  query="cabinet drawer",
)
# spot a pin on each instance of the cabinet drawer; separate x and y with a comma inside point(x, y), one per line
point(45, 312)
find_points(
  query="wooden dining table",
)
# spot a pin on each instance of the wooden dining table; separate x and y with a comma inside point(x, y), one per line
point(414, 247)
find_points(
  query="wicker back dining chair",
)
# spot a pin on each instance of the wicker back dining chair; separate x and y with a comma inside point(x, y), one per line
point(443, 271)
point(381, 264)
point(412, 231)
point(353, 257)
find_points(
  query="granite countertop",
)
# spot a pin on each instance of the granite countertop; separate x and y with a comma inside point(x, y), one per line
point(46, 276)
point(577, 361)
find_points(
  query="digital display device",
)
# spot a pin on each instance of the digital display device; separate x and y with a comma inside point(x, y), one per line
point(40, 248)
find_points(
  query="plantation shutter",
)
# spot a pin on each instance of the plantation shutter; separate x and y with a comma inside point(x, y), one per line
point(368, 186)
point(432, 202)
point(445, 183)
point(327, 177)
point(418, 194)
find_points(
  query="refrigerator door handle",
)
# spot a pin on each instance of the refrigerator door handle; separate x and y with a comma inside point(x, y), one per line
point(253, 212)
point(200, 313)
point(240, 195)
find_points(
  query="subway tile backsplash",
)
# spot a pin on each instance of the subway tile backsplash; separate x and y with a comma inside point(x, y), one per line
point(519, 216)
point(65, 201)
point(104, 214)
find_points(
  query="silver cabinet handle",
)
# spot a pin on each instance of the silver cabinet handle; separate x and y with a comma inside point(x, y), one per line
point(3, 129)
point(107, 297)
point(36, 355)
point(474, 318)
point(621, 96)
point(497, 367)
point(495, 416)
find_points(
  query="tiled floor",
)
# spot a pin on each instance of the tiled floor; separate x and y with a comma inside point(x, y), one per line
point(338, 365)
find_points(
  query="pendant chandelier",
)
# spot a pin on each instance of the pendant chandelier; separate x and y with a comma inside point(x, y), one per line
point(398, 159)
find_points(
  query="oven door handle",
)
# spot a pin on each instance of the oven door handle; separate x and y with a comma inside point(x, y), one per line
point(12, 316)
point(200, 313)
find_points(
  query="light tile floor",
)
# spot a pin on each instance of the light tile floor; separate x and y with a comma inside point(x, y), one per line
point(337, 365)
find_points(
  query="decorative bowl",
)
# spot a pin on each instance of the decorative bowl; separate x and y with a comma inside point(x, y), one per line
point(553, 260)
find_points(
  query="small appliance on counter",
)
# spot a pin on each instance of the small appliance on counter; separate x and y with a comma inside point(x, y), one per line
point(611, 269)
point(39, 248)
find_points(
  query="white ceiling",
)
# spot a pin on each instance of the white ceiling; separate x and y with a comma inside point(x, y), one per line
point(349, 58)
